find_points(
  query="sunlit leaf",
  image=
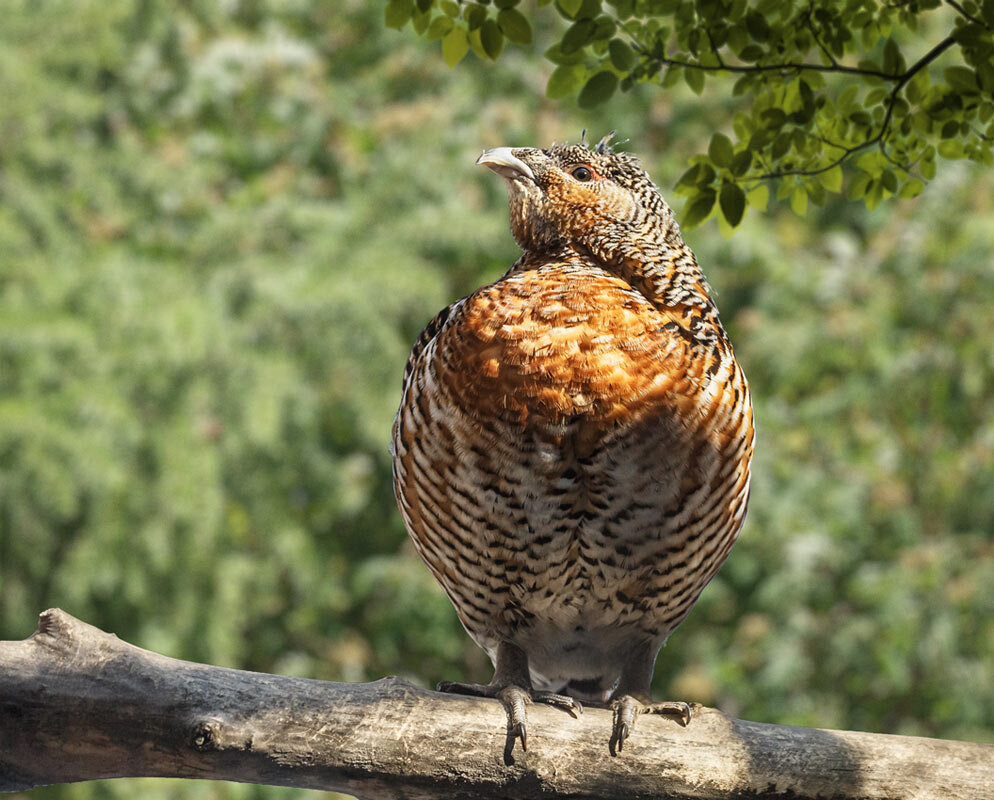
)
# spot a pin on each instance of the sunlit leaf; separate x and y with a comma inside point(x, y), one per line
point(454, 46)
point(564, 81)
point(832, 179)
point(397, 13)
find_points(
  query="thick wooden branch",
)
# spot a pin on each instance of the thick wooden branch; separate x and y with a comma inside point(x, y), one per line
point(79, 704)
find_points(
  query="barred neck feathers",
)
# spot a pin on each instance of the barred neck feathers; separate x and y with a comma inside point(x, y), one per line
point(571, 202)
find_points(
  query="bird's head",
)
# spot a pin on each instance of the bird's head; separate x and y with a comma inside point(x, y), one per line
point(575, 196)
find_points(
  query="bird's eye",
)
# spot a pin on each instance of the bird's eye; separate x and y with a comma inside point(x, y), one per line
point(582, 173)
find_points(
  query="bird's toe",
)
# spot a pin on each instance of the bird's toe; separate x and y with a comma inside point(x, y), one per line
point(671, 708)
point(563, 701)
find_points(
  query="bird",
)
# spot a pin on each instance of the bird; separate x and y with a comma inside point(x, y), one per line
point(571, 454)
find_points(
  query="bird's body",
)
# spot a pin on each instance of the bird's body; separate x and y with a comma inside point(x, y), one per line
point(572, 449)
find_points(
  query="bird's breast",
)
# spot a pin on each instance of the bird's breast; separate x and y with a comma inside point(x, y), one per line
point(564, 342)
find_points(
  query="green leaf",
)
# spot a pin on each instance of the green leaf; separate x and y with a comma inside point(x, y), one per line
point(962, 79)
point(857, 186)
point(398, 12)
point(759, 197)
point(751, 53)
point(737, 39)
point(987, 9)
point(475, 16)
point(579, 34)
point(720, 150)
point(694, 79)
point(514, 25)
point(892, 58)
point(799, 201)
point(604, 28)
point(571, 7)
point(506, 3)
point(557, 56)
point(874, 194)
point(698, 208)
point(832, 179)
point(454, 46)
point(912, 188)
point(598, 89)
point(847, 98)
point(491, 39)
point(564, 81)
point(438, 28)
point(689, 178)
point(774, 118)
point(450, 8)
point(732, 200)
point(420, 23)
point(757, 26)
point(622, 56)
point(951, 149)
point(741, 162)
point(671, 75)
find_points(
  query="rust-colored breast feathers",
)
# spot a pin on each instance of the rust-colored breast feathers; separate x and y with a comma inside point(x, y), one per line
point(562, 342)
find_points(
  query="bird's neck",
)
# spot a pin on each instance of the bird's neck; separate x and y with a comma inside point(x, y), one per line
point(658, 264)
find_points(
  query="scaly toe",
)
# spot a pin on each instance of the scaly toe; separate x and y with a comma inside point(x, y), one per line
point(626, 709)
point(565, 702)
point(471, 689)
point(514, 699)
point(671, 708)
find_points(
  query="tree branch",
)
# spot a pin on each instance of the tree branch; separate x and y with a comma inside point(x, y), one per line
point(881, 133)
point(785, 67)
point(79, 704)
point(964, 13)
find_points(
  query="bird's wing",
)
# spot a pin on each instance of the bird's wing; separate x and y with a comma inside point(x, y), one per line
point(429, 332)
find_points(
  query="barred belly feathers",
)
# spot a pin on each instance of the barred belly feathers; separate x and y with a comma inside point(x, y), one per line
point(572, 449)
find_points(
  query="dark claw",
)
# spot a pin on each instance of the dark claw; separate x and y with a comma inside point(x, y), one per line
point(514, 699)
point(671, 708)
point(569, 704)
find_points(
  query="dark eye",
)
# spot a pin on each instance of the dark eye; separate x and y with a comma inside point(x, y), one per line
point(582, 173)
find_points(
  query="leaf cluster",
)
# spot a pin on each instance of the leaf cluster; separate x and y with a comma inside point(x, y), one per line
point(484, 27)
point(850, 97)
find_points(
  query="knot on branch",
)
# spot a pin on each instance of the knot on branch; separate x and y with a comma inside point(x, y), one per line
point(206, 736)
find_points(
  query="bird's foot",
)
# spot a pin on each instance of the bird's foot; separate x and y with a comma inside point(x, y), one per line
point(514, 698)
point(627, 709)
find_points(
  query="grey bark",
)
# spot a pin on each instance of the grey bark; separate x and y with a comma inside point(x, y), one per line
point(79, 704)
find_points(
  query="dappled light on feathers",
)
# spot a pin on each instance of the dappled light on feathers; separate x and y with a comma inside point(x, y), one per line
point(573, 443)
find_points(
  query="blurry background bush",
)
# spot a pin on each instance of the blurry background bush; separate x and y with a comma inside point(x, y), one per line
point(222, 226)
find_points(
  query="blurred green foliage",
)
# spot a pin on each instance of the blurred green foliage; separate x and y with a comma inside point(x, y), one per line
point(221, 227)
point(879, 88)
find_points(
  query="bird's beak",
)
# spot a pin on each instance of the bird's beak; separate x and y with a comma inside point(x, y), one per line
point(502, 161)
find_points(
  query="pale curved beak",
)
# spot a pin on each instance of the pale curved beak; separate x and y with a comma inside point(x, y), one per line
point(502, 161)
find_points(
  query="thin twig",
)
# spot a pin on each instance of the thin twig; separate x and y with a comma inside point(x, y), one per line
point(964, 13)
point(908, 74)
point(788, 67)
point(814, 35)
